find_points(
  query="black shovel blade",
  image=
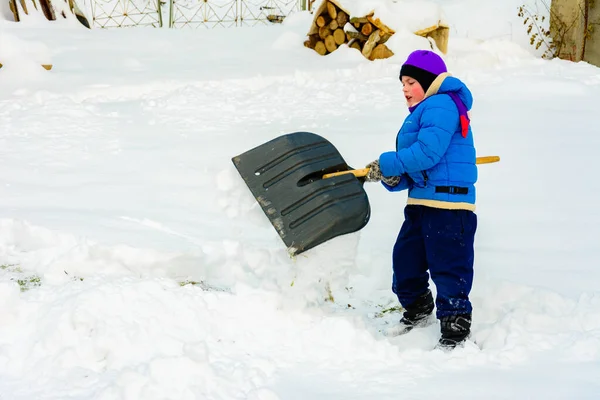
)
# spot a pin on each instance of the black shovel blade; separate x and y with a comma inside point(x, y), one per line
point(285, 177)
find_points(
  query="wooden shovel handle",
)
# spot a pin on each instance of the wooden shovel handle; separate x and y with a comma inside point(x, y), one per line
point(487, 159)
point(356, 172)
point(364, 171)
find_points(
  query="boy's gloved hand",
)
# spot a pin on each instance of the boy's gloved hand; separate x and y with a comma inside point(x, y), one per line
point(374, 175)
point(391, 181)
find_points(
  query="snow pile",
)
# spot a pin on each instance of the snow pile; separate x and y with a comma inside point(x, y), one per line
point(408, 15)
point(22, 58)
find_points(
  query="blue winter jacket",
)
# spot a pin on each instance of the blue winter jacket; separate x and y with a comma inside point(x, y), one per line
point(435, 161)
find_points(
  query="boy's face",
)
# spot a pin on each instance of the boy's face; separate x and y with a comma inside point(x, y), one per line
point(413, 91)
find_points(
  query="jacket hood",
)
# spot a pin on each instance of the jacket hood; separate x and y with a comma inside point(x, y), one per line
point(447, 84)
point(460, 95)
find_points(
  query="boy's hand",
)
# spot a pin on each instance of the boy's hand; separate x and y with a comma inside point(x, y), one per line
point(374, 175)
point(391, 181)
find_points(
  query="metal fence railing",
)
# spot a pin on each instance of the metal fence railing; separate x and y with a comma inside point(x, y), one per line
point(189, 13)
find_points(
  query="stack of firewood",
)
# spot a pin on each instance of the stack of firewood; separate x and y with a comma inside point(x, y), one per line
point(333, 27)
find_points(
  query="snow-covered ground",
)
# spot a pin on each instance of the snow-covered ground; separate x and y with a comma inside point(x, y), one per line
point(135, 264)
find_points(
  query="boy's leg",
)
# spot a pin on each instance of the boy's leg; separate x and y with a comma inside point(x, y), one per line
point(449, 239)
point(410, 279)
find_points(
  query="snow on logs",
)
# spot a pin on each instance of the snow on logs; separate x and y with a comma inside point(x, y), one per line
point(332, 27)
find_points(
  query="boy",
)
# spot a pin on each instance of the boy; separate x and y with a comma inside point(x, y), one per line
point(435, 161)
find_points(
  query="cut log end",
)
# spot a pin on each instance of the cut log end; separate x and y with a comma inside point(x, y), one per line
point(324, 31)
point(366, 29)
point(322, 20)
point(331, 10)
point(339, 36)
point(330, 43)
point(320, 48)
point(342, 18)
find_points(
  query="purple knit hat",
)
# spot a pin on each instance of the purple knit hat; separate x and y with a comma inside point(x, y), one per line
point(424, 66)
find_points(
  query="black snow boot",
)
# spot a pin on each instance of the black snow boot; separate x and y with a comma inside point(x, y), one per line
point(456, 329)
point(417, 314)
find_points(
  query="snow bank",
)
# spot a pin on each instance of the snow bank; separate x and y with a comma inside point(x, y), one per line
point(22, 58)
point(409, 15)
point(135, 332)
point(228, 265)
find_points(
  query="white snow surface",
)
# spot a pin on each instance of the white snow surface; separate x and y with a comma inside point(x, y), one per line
point(135, 263)
point(411, 15)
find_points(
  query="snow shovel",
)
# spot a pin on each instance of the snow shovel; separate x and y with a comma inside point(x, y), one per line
point(285, 175)
point(306, 189)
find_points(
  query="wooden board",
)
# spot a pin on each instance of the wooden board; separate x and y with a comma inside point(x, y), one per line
point(12, 4)
point(439, 33)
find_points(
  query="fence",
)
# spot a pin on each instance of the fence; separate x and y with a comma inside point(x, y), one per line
point(189, 13)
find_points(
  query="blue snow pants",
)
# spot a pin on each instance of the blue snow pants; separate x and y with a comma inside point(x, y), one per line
point(437, 242)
